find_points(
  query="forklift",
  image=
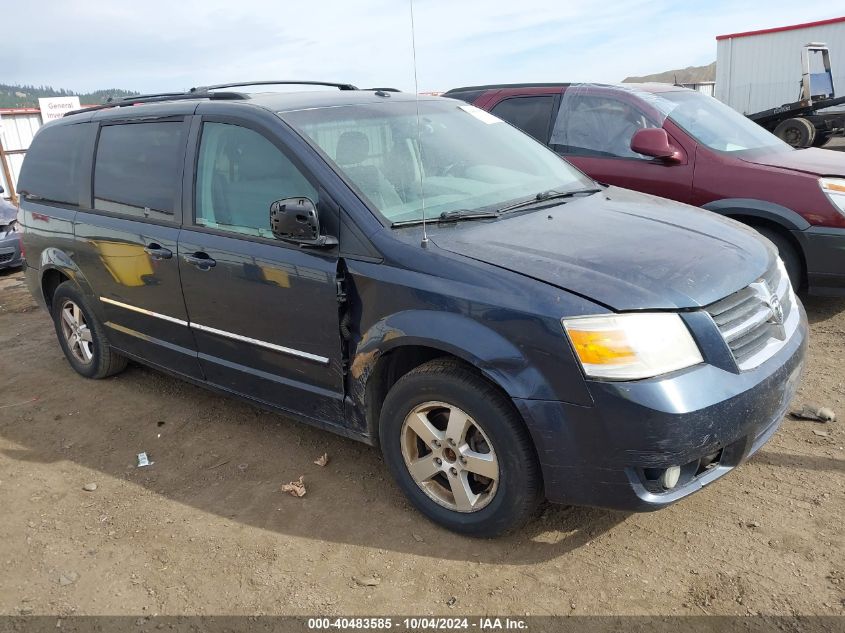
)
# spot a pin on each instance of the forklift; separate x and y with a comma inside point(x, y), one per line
point(800, 123)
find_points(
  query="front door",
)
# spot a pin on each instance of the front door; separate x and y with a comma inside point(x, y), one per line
point(264, 312)
point(593, 131)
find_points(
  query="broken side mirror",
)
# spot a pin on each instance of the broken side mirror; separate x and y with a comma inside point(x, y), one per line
point(295, 220)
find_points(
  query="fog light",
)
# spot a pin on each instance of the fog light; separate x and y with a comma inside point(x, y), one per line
point(669, 478)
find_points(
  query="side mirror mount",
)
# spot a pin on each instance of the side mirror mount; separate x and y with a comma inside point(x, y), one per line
point(654, 142)
point(295, 220)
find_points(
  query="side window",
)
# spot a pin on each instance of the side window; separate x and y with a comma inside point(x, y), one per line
point(239, 175)
point(138, 168)
point(597, 126)
point(529, 114)
point(52, 169)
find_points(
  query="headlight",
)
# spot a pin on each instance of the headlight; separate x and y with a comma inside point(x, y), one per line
point(834, 189)
point(632, 346)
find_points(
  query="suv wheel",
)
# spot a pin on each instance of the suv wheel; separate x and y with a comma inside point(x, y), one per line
point(459, 451)
point(791, 258)
point(81, 335)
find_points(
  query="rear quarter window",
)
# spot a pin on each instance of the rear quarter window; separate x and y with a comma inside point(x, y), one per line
point(530, 114)
point(138, 168)
point(52, 169)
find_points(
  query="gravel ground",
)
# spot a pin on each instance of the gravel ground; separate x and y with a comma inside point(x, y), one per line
point(207, 530)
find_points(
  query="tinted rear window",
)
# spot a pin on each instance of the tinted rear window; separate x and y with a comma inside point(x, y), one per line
point(138, 169)
point(52, 167)
point(529, 114)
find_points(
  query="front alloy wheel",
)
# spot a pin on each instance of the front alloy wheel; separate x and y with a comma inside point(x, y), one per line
point(449, 457)
point(459, 450)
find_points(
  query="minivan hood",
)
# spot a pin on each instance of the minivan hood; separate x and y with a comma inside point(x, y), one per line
point(820, 162)
point(626, 250)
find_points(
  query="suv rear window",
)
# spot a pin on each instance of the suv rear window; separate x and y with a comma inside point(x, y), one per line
point(52, 168)
point(530, 114)
point(138, 169)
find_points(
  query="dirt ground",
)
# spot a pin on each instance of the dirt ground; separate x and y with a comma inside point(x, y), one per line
point(206, 529)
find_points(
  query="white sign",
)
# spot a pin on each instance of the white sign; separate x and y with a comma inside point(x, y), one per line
point(54, 108)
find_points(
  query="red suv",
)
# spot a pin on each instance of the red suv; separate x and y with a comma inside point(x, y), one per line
point(681, 144)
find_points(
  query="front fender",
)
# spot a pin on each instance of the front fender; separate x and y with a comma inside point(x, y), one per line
point(496, 357)
point(762, 209)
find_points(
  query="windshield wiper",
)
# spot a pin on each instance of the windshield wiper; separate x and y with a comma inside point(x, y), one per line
point(464, 214)
point(456, 215)
point(545, 196)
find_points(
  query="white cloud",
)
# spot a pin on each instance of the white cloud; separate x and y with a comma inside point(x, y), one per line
point(163, 45)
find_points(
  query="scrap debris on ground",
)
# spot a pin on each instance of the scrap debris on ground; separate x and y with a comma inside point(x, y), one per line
point(295, 488)
point(814, 412)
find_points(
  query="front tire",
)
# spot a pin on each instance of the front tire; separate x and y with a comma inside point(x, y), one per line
point(81, 335)
point(459, 450)
point(791, 259)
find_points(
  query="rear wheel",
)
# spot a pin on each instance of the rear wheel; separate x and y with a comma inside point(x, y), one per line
point(459, 450)
point(822, 138)
point(797, 132)
point(791, 259)
point(81, 335)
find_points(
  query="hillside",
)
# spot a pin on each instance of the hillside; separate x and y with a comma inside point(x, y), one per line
point(688, 75)
point(17, 96)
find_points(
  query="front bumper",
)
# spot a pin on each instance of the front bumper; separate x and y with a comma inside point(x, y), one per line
point(705, 419)
point(10, 251)
point(824, 252)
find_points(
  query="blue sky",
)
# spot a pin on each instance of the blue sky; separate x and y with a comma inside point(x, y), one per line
point(174, 44)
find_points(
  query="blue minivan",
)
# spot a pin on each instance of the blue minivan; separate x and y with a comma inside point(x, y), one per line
point(416, 274)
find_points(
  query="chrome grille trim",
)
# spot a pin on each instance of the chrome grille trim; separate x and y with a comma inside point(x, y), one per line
point(756, 321)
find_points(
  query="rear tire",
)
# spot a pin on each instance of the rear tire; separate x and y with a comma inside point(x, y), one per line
point(822, 138)
point(797, 132)
point(448, 425)
point(791, 259)
point(81, 336)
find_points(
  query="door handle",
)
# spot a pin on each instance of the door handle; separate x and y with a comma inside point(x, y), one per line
point(156, 251)
point(200, 260)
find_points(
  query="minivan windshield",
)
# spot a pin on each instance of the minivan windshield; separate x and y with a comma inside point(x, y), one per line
point(461, 160)
point(719, 127)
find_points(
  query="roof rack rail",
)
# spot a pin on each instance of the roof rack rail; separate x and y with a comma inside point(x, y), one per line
point(162, 96)
point(146, 96)
point(282, 82)
point(204, 92)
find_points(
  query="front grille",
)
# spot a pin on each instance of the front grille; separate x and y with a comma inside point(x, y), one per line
point(6, 257)
point(757, 320)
